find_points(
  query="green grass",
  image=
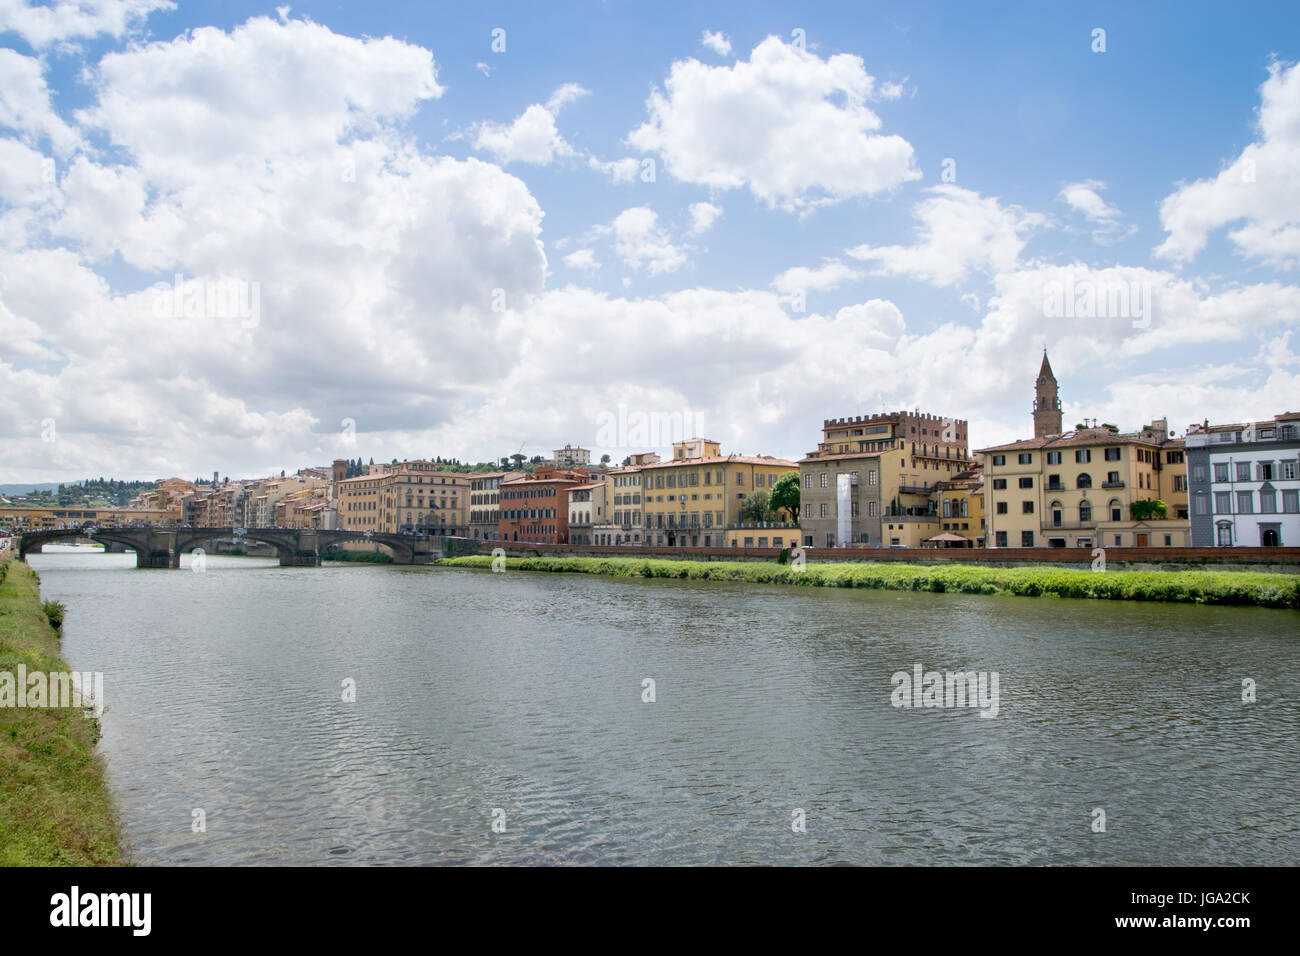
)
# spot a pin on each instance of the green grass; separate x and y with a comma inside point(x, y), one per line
point(56, 808)
point(1199, 587)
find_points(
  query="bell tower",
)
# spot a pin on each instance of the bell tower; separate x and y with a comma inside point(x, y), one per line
point(1047, 402)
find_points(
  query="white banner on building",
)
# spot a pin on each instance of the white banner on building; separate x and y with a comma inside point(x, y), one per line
point(844, 510)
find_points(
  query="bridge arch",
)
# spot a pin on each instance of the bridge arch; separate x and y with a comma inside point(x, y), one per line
point(31, 542)
point(402, 550)
point(284, 542)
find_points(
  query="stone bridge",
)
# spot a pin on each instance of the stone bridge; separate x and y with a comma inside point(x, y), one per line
point(163, 547)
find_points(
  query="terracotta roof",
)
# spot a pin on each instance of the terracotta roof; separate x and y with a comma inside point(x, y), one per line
point(721, 459)
point(1085, 437)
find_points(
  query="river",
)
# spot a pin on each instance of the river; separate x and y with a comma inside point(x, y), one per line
point(517, 698)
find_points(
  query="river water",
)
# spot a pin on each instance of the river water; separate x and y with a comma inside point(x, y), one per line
point(517, 698)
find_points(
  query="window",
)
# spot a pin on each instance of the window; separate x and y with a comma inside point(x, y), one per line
point(999, 459)
point(1288, 471)
point(1264, 471)
point(1112, 478)
point(825, 510)
point(1001, 507)
point(807, 479)
point(825, 479)
point(871, 507)
point(1201, 504)
point(1054, 483)
point(871, 477)
point(1027, 507)
point(1221, 471)
point(1112, 454)
point(1243, 471)
point(1116, 513)
point(1268, 502)
point(1026, 459)
point(1085, 512)
point(1000, 537)
point(1245, 502)
point(1026, 539)
point(1223, 502)
point(1085, 481)
point(830, 540)
point(1290, 501)
point(1083, 455)
point(1053, 457)
point(1026, 482)
point(999, 484)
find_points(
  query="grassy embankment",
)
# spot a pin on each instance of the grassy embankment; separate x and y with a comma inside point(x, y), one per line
point(1200, 587)
point(55, 805)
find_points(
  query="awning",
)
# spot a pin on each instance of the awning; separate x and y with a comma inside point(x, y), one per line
point(946, 537)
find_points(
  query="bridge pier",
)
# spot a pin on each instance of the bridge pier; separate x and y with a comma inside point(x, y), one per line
point(306, 551)
point(159, 551)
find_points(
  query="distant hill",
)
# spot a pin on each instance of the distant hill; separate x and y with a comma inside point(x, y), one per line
point(19, 488)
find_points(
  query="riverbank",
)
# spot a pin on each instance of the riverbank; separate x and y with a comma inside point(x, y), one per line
point(1199, 587)
point(56, 808)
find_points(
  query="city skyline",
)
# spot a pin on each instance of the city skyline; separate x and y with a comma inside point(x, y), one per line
point(430, 236)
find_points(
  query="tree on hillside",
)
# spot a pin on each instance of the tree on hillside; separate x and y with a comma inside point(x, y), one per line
point(785, 496)
point(604, 459)
point(518, 458)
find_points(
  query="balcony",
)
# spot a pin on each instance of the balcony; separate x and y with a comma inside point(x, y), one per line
point(1112, 484)
point(1069, 526)
point(914, 489)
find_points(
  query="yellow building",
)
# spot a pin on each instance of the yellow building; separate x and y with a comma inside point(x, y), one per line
point(773, 534)
point(1076, 489)
point(960, 507)
point(1067, 491)
point(691, 500)
point(872, 480)
point(416, 499)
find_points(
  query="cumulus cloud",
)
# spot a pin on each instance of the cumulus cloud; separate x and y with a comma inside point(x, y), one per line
point(790, 126)
point(830, 275)
point(703, 216)
point(43, 24)
point(716, 42)
point(583, 260)
point(640, 242)
point(959, 231)
point(1260, 189)
point(1085, 198)
point(25, 104)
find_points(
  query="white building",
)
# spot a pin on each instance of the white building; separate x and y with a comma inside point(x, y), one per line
point(1243, 483)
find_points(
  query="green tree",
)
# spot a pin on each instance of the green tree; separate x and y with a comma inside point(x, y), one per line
point(785, 496)
point(756, 507)
point(1147, 508)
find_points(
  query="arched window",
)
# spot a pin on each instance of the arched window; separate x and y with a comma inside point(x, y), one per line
point(1085, 481)
point(1116, 510)
point(1057, 511)
point(1085, 511)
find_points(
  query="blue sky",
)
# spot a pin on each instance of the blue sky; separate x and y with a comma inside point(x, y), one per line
point(774, 271)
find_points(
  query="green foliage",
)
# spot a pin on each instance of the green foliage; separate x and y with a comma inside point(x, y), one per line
point(54, 612)
point(1146, 509)
point(1199, 587)
point(785, 497)
point(756, 507)
point(359, 557)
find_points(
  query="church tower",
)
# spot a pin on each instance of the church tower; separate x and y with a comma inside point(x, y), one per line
point(1047, 403)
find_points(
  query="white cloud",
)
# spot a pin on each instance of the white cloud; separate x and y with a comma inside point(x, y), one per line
point(583, 260)
point(25, 104)
point(830, 275)
point(640, 242)
point(959, 232)
point(43, 24)
point(703, 216)
point(1260, 188)
point(531, 138)
point(716, 42)
point(792, 127)
point(1085, 198)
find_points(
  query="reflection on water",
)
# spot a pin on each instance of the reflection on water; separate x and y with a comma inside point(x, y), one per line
point(523, 692)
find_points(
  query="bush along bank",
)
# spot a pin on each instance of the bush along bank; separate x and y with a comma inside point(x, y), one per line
point(358, 557)
point(56, 808)
point(1198, 587)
